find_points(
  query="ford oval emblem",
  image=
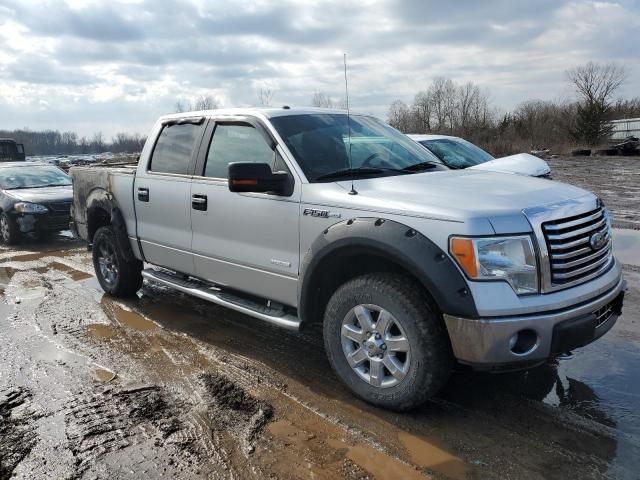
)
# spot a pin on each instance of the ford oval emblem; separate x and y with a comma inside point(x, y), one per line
point(598, 240)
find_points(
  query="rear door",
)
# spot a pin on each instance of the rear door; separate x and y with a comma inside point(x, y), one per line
point(162, 196)
point(246, 241)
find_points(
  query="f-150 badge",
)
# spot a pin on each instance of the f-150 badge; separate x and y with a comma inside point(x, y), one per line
point(320, 213)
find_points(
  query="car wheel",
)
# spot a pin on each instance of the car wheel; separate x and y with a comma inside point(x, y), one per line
point(117, 275)
point(9, 231)
point(386, 341)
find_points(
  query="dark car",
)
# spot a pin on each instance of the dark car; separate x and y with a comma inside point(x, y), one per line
point(35, 199)
point(10, 151)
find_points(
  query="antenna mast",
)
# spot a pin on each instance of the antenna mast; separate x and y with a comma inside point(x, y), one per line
point(346, 91)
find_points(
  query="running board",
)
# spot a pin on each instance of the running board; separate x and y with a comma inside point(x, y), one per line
point(224, 299)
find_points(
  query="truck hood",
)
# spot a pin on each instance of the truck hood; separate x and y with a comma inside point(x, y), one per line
point(521, 163)
point(453, 194)
point(43, 195)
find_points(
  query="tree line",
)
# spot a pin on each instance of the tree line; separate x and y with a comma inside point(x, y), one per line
point(54, 142)
point(446, 107)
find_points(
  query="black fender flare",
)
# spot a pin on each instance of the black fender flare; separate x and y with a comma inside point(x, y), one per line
point(395, 242)
point(117, 223)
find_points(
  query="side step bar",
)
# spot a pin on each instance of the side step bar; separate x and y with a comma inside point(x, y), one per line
point(224, 299)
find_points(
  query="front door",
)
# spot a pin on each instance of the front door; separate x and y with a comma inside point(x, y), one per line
point(245, 241)
point(162, 196)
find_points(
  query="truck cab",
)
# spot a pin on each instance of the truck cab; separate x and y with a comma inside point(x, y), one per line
point(10, 151)
point(312, 216)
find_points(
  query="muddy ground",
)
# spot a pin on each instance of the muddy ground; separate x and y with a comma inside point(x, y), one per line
point(167, 386)
point(615, 179)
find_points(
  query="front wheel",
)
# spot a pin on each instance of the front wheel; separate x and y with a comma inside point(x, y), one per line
point(386, 341)
point(117, 275)
point(9, 231)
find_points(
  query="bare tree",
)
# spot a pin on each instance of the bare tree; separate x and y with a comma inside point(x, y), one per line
point(180, 106)
point(265, 95)
point(205, 102)
point(595, 84)
point(422, 105)
point(400, 116)
point(321, 100)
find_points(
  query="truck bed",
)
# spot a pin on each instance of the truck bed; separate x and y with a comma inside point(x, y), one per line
point(105, 186)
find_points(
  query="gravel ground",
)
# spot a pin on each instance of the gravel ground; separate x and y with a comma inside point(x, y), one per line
point(615, 179)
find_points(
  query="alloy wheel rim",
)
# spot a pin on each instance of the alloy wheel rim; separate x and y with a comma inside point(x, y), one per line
point(4, 229)
point(375, 345)
point(107, 263)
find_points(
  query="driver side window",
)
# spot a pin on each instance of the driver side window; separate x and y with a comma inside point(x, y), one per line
point(237, 143)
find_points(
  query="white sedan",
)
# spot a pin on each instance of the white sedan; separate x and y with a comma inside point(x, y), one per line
point(457, 153)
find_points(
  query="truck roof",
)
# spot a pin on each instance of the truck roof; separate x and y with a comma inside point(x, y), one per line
point(268, 112)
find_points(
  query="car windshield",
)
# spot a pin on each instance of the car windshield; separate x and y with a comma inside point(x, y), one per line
point(321, 142)
point(35, 176)
point(457, 153)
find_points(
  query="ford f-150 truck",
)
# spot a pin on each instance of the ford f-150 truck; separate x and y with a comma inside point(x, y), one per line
point(298, 217)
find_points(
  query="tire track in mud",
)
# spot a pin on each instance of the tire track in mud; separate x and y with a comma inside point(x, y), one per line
point(171, 412)
point(17, 429)
point(197, 432)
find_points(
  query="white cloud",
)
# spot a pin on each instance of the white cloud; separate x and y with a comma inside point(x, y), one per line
point(115, 66)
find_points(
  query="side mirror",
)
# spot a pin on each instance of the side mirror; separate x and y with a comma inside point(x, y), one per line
point(258, 177)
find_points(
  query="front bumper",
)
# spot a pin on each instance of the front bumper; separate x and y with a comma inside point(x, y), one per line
point(488, 342)
point(42, 222)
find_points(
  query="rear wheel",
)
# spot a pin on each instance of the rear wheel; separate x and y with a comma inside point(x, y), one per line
point(117, 275)
point(386, 341)
point(9, 231)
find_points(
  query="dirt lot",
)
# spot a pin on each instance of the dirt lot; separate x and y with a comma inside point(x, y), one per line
point(172, 387)
point(615, 179)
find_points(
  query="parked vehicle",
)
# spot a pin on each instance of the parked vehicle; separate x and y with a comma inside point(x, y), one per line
point(10, 151)
point(35, 199)
point(408, 265)
point(458, 153)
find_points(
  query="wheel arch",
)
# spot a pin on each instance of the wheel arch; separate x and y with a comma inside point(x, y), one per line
point(102, 211)
point(365, 245)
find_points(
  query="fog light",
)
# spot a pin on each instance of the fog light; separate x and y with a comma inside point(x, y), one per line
point(523, 342)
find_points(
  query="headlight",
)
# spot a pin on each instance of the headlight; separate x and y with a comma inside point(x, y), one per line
point(26, 207)
point(498, 258)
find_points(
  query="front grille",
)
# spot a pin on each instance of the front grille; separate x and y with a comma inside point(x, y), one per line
point(59, 215)
point(59, 207)
point(569, 242)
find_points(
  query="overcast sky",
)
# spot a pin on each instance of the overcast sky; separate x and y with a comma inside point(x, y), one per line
point(116, 65)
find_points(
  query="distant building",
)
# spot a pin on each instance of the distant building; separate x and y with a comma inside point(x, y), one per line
point(625, 127)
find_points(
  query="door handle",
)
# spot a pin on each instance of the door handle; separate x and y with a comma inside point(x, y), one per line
point(143, 194)
point(199, 202)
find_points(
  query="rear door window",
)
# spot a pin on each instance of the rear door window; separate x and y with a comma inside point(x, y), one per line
point(174, 149)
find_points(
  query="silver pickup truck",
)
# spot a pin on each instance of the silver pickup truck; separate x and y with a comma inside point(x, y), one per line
point(298, 217)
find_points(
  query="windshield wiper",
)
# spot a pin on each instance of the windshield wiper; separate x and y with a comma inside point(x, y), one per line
point(354, 172)
point(418, 167)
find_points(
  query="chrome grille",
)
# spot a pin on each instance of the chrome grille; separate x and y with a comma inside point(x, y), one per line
point(572, 258)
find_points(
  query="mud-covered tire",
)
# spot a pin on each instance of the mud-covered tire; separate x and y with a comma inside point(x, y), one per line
point(117, 275)
point(9, 231)
point(414, 312)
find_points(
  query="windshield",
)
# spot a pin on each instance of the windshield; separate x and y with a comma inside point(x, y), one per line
point(32, 177)
point(457, 153)
point(320, 144)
